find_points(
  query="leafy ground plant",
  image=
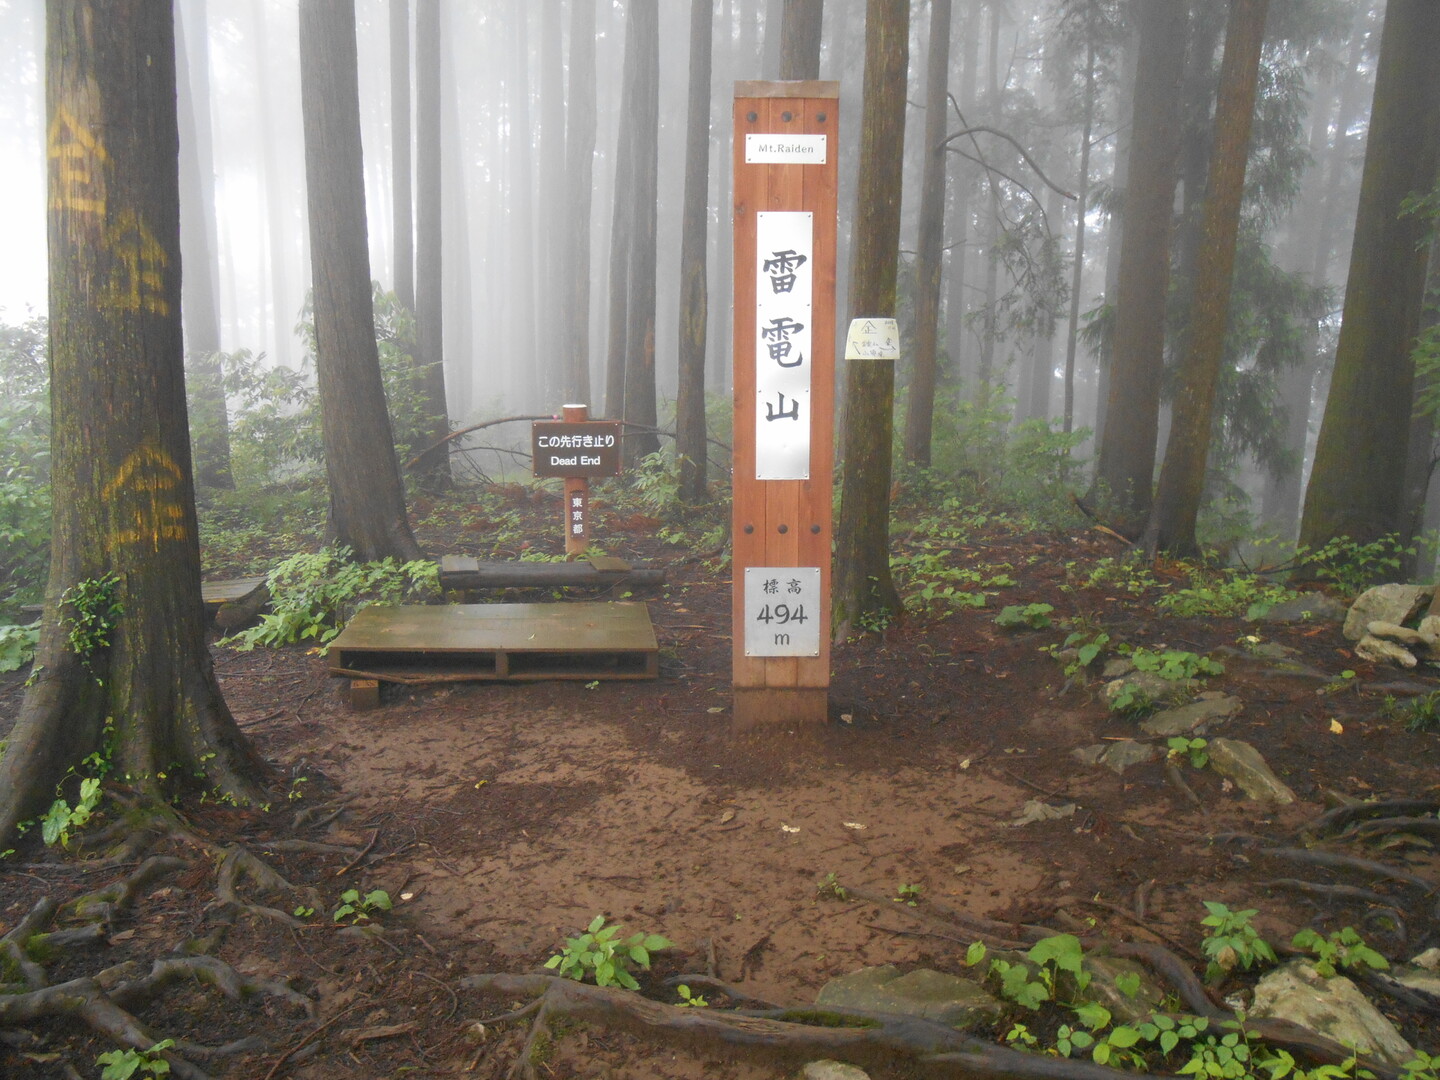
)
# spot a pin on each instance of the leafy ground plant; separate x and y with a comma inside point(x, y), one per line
point(1232, 941)
point(17, 645)
point(358, 908)
point(1026, 616)
point(600, 952)
point(123, 1064)
point(313, 594)
point(1344, 948)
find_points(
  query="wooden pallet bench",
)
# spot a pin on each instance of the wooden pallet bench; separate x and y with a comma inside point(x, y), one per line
point(469, 574)
point(416, 645)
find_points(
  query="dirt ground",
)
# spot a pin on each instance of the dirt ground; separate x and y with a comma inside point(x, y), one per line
point(502, 818)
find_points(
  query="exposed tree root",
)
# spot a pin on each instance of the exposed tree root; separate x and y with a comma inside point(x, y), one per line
point(106, 1001)
point(788, 1034)
point(1342, 817)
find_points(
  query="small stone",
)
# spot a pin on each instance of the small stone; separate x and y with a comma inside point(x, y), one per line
point(1122, 755)
point(1197, 716)
point(832, 1070)
point(1403, 634)
point(1396, 604)
point(1240, 762)
point(1331, 1007)
point(1116, 667)
point(1307, 607)
point(1379, 651)
point(1430, 632)
point(946, 999)
point(1089, 755)
point(1147, 685)
point(1429, 960)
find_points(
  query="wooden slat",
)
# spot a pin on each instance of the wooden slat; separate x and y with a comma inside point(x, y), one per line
point(517, 642)
point(526, 575)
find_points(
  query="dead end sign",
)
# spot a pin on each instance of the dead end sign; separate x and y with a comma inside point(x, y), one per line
point(588, 448)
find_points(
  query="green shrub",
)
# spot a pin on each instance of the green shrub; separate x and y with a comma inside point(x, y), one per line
point(313, 595)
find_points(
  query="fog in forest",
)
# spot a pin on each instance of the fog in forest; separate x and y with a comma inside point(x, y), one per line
point(1017, 69)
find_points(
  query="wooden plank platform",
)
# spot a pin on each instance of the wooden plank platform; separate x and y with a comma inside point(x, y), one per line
point(215, 593)
point(509, 642)
point(464, 572)
point(212, 593)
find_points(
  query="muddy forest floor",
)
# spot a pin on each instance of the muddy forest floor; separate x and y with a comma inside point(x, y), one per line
point(502, 818)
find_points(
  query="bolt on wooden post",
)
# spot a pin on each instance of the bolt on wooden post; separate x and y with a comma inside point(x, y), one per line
point(785, 168)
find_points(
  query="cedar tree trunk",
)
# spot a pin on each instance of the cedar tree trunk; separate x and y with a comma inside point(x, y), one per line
point(433, 468)
point(123, 496)
point(921, 406)
point(1126, 466)
point(690, 396)
point(1357, 482)
point(1182, 477)
point(864, 590)
point(367, 502)
point(579, 173)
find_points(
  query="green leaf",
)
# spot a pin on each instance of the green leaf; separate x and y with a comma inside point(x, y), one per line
point(1168, 1041)
point(554, 961)
point(656, 942)
point(640, 956)
point(1123, 1037)
point(595, 924)
point(1128, 983)
point(975, 953)
point(1093, 1015)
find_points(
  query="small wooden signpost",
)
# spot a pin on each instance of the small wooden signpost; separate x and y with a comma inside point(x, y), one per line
point(576, 448)
point(785, 158)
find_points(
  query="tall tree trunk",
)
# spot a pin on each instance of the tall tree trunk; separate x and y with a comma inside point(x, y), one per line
point(864, 590)
point(200, 288)
point(994, 106)
point(930, 240)
point(124, 528)
point(1356, 485)
point(1182, 476)
point(1127, 451)
point(433, 468)
point(526, 313)
point(1115, 227)
point(622, 230)
point(800, 39)
point(550, 240)
point(1321, 217)
point(284, 308)
point(690, 398)
point(367, 501)
point(456, 242)
point(579, 172)
point(643, 35)
point(1077, 272)
point(956, 300)
point(402, 199)
point(774, 19)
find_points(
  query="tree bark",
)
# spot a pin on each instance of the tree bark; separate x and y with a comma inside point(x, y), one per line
point(1356, 484)
point(690, 398)
point(579, 173)
point(367, 502)
point(200, 290)
point(864, 591)
point(433, 471)
point(1182, 476)
point(1126, 465)
point(920, 411)
point(622, 228)
point(643, 36)
point(402, 199)
point(123, 497)
point(551, 241)
point(800, 39)
point(1077, 272)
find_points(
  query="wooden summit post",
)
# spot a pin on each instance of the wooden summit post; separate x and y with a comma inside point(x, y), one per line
point(785, 158)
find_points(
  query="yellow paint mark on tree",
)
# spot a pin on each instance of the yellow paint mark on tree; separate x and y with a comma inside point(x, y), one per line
point(146, 487)
point(138, 281)
point(80, 160)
